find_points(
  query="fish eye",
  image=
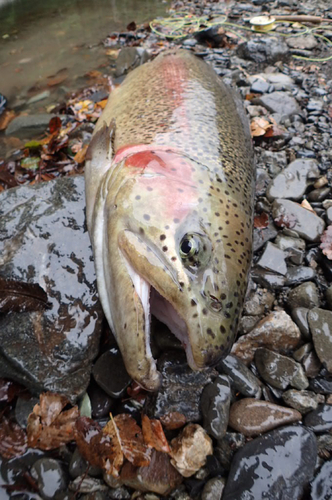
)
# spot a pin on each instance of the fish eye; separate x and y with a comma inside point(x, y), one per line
point(188, 247)
point(195, 250)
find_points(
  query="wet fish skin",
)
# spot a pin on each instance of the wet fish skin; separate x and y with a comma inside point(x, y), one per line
point(170, 166)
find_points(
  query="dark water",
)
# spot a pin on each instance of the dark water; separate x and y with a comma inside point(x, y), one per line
point(39, 38)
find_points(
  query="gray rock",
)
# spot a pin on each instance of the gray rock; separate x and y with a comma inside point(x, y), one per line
point(280, 371)
point(319, 194)
point(304, 295)
point(321, 486)
point(319, 420)
point(274, 160)
point(273, 259)
point(213, 489)
point(129, 58)
point(215, 403)
point(110, 373)
point(29, 125)
point(181, 388)
point(300, 316)
point(293, 181)
point(86, 484)
point(23, 408)
point(262, 235)
point(39, 97)
point(320, 323)
point(297, 275)
point(290, 450)
point(320, 385)
point(302, 351)
point(44, 240)
point(260, 86)
point(303, 401)
point(252, 417)
point(258, 302)
point(278, 80)
point(267, 279)
point(315, 105)
point(279, 102)
point(268, 49)
point(120, 493)
point(289, 214)
point(329, 215)
point(50, 476)
point(307, 42)
point(227, 447)
point(242, 379)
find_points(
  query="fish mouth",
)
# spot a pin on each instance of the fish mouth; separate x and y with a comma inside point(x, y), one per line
point(155, 303)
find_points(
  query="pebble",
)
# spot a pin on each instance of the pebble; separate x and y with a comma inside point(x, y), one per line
point(303, 401)
point(215, 403)
point(227, 447)
point(262, 49)
point(319, 420)
point(268, 279)
point(273, 259)
point(181, 388)
point(101, 403)
point(280, 371)
point(300, 316)
point(293, 181)
point(289, 214)
point(278, 80)
point(318, 194)
point(302, 351)
point(304, 295)
point(320, 323)
point(110, 373)
point(23, 408)
point(120, 493)
point(320, 384)
point(50, 476)
point(307, 42)
point(291, 450)
point(293, 247)
point(29, 126)
point(297, 275)
point(276, 330)
point(252, 417)
point(258, 302)
point(86, 484)
point(39, 97)
point(213, 489)
point(329, 215)
point(321, 486)
point(279, 102)
point(262, 235)
point(242, 379)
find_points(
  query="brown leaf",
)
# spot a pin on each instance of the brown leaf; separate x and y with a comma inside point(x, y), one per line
point(173, 420)
point(326, 242)
point(132, 442)
point(18, 296)
point(48, 425)
point(259, 126)
point(100, 447)
point(80, 155)
point(9, 390)
point(13, 439)
point(154, 435)
point(54, 124)
point(131, 26)
point(5, 119)
point(261, 221)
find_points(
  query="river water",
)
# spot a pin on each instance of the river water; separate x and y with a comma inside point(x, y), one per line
point(39, 39)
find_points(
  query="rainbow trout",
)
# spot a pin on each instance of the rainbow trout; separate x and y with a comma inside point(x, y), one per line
point(169, 194)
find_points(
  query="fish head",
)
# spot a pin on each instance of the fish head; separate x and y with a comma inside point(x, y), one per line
point(169, 250)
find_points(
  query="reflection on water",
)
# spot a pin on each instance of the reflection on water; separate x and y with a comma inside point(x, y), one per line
point(38, 38)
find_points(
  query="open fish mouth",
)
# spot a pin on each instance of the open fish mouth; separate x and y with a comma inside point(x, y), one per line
point(155, 304)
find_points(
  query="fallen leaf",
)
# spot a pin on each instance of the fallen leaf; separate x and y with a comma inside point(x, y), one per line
point(261, 221)
point(259, 126)
point(131, 439)
point(326, 242)
point(54, 124)
point(80, 155)
point(18, 296)
point(154, 435)
point(102, 103)
point(30, 163)
point(13, 439)
point(131, 26)
point(173, 420)
point(9, 390)
point(6, 117)
point(305, 204)
point(48, 425)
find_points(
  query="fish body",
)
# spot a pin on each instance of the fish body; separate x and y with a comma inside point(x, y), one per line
point(169, 192)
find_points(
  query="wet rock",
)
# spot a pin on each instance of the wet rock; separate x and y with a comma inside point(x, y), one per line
point(242, 379)
point(247, 323)
point(44, 240)
point(329, 215)
point(215, 403)
point(304, 295)
point(101, 403)
point(328, 295)
point(276, 330)
point(227, 447)
point(324, 444)
point(50, 476)
point(110, 373)
point(280, 371)
point(315, 105)
point(296, 275)
point(273, 259)
point(28, 126)
point(274, 160)
point(289, 214)
point(267, 279)
point(319, 384)
point(321, 486)
point(319, 420)
point(190, 449)
point(303, 401)
point(320, 323)
point(253, 417)
point(307, 42)
point(120, 493)
point(260, 86)
point(89, 485)
point(181, 388)
point(302, 351)
point(279, 102)
point(293, 181)
point(261, 50)
point(129, 58)
point(258, 302)
point(278, 81)
point(262, 235)
point(23, 408)
point(159, 476)
point(291, 451)
point(213, 489)
point(318, 194)
point(288, 244)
